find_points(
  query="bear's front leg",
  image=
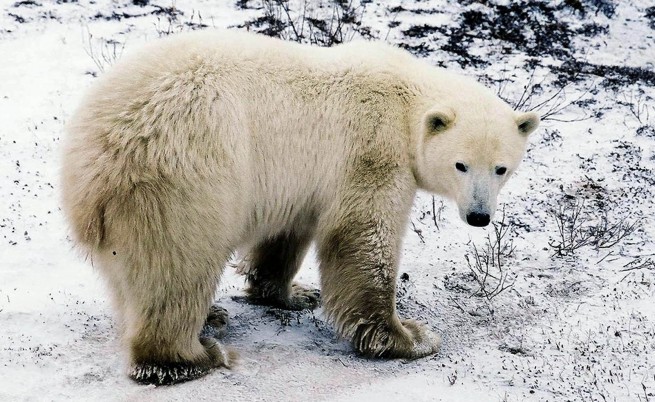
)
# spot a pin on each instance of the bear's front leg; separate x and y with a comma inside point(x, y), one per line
point(270, 267)
point(359, 262)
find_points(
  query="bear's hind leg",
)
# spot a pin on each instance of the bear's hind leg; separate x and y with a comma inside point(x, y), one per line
point(166, 313)
point(164, 332)
point(270, 268)
point(169, 260)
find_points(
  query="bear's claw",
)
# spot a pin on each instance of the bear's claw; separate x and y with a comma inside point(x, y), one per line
point(300, 298)
point(163, 373)
point(410, 340)
point(425, 342)
point(166, 374)
point(303, 298)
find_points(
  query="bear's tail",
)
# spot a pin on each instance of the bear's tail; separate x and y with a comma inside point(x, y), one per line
point(85, 190)
point(84, 208)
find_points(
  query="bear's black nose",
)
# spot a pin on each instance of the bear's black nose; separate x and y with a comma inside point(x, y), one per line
point(478, 219)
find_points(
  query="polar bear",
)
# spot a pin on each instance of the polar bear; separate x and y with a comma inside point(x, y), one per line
point(210, 142)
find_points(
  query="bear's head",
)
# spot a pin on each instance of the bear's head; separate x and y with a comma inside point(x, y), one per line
point(467, 153)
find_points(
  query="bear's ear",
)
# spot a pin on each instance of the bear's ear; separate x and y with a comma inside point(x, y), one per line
point(527, 122)
point(438, 120)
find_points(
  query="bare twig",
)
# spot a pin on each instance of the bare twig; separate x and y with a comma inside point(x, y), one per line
point(603, 259)
point(392, 24)
point(173, 24)
point(557, 107)
point(639, 264)
point(576, 229)
point(436, 213)
point(418, 232)
point(525, 96)
point(452, 378)
point(103, 52)
point(638, 105)
point(487, 265)
point(285, 7)
point(282, 21)
point(549, 107)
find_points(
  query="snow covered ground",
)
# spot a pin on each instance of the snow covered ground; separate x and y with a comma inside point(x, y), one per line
point(575, 326)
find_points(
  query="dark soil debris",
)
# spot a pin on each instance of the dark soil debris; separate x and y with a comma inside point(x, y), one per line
point(650, 16)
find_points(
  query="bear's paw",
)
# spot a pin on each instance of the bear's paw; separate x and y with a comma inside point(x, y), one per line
point(424, 341)
point(162, 373)
point(407, 339)
point(216, 322)
point(299, 298)
point(166, 374)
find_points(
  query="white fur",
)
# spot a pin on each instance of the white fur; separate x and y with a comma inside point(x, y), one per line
point(206, 142)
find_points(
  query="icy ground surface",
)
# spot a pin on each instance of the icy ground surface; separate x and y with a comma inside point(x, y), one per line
point(577, 326)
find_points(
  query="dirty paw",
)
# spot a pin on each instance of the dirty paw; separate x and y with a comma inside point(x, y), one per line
point(166, 374)
point(303, 298)
point(409, 340)
point(424, 341)
point(216, 322)
point(299, 298)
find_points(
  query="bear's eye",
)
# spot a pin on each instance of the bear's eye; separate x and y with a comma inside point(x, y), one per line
point(461, 167)
point(501, 170)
